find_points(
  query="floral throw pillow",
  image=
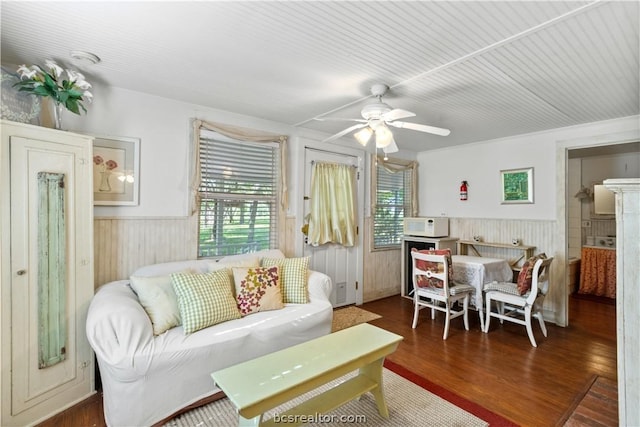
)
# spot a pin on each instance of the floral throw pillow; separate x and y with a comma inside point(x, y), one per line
point(432, 282)
point(294, 274)
point(525, 277)
point(257, 289)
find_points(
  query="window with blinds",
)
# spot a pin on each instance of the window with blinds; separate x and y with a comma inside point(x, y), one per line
point(238, 196)
point(393, 202)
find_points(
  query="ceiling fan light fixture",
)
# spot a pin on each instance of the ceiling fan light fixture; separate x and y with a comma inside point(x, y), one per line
point(376, 118)
point(363, 136)
point(383, 137)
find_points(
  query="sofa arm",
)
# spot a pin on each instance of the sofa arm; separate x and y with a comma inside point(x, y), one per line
point(118, 328)
point(320, 285)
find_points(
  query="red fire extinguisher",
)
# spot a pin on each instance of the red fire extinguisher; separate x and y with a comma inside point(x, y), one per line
point(463, 190)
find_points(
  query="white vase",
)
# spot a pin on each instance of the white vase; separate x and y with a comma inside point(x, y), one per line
point(104, 181)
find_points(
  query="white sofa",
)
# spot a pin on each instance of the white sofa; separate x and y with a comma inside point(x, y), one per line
point(146, 378)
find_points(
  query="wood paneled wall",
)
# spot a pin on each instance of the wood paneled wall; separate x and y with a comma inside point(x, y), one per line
point(382, 269)
point(124, 244)
point(538, 233)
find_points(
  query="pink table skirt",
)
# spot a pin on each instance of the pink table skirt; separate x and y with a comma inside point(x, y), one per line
point(598, 272)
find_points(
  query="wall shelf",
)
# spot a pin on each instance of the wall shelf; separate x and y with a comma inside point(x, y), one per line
point(526, 251)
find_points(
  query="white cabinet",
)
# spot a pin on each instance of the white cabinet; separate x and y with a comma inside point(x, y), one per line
point(46, 271)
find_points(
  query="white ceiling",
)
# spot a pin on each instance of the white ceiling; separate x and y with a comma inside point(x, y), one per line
point(482, 69)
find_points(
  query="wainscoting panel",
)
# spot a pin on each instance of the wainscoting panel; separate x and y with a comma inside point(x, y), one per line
point(538, 233)
point(122, 245)
point(382, 270)
point(287, 244)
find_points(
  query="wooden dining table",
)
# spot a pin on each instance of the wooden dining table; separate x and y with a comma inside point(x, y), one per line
point(478, 271)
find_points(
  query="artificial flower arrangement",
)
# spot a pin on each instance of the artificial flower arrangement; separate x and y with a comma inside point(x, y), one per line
point(49, 81)
point(109, 165)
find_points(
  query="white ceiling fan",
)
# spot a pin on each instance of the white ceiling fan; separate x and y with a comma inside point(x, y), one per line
point(376, 119)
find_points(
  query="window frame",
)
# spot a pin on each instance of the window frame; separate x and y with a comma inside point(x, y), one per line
point(274, 200)
point(391, 165)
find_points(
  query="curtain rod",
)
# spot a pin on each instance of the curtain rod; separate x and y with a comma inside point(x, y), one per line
point(313, 162)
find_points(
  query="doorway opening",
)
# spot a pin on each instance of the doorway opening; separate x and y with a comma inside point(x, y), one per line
point(585, 228)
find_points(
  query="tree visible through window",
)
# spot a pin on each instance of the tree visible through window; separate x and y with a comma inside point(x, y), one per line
point(393, 202)
point(238, 196)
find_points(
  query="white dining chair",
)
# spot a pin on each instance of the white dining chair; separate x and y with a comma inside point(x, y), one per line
point(514, 303)
point(434, 290)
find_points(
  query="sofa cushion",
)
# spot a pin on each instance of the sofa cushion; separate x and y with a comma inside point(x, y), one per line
point(204, 299)
point(293, 276)
point(247, 260)
point(201, 265)
point(258, 289)
point(159, 300)
point(264, 253)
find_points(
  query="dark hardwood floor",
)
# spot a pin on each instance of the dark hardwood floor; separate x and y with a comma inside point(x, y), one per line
point(499, 370)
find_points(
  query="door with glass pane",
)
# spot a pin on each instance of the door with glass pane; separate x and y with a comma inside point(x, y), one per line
point(342, 263)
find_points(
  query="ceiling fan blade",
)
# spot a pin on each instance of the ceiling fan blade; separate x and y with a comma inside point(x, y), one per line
point(421, 128)
point(338, 119)
point(397, 113)
point(344, 132)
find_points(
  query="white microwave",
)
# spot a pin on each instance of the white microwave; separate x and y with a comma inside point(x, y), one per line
point(426, 227)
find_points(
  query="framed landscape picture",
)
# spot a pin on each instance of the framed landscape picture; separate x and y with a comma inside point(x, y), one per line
point(517, 185)
point(116, 173)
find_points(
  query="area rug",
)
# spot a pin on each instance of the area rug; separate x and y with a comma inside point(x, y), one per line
point(597, 405)
point(493, 419)
point(409, 405)
point(351, 316)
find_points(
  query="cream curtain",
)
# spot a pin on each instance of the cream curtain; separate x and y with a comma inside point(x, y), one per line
point(240, 134)
point(332, 216)
point(393, 166)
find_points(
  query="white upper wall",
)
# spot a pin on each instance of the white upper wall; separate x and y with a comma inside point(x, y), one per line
point(163, 126)
point(442, 171)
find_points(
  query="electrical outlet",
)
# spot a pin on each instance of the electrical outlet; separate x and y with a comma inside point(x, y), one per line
point(586, 224)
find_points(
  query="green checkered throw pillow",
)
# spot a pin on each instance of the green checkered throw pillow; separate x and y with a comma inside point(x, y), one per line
point(204, 299)
point(294, 274)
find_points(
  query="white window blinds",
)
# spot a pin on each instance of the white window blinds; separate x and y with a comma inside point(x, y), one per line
point(393, 201)
point(238, 196)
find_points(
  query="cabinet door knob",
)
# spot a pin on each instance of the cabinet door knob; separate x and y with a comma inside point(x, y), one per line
point(21, 272)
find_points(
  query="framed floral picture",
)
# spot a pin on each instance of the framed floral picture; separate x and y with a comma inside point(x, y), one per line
point(517, 185)
point(116, 170)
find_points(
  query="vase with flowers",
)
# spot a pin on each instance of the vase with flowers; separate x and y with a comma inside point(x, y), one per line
point(67, 89)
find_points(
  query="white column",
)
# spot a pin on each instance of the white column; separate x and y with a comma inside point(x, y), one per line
point(628, 295)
